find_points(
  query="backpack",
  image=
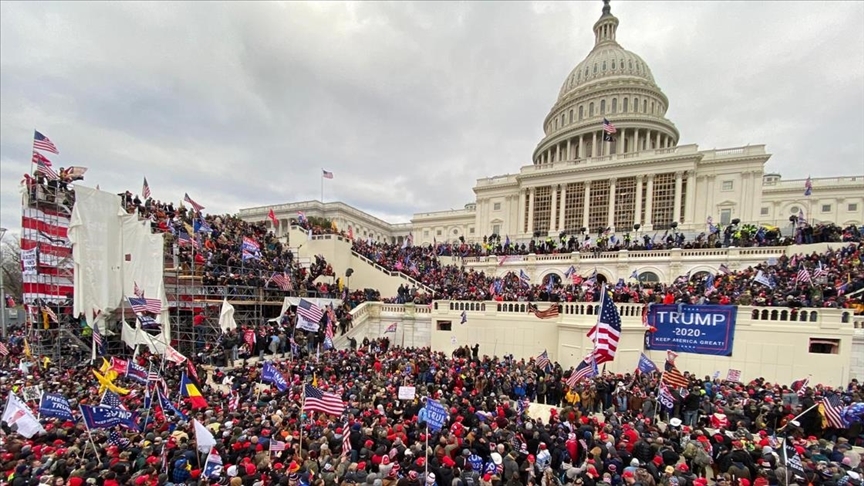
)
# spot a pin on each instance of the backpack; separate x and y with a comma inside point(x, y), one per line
point(689, 450)
point(702, 458)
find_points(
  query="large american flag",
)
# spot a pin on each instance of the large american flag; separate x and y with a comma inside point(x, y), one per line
point(607, 332)
point(803, 274)
point(587, 368)
point(192, 203)
point(673, 377)
point(309, 311)
point(282, 281)
point(3, 349)
point(832, 408)
point(542, 360)
point(326, 174)
point(346, 440)
point(41, 142)
point(145, 191)
point(141, 305)
point(184, 239)
point(111, 399)
point(820, 271)
point(43, 166)
point(550, 313)
point(277, 446)
point(319, 401)
point(608, 127)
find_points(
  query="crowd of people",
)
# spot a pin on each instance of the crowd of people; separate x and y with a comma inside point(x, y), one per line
point(604, 430)
point(817, 280)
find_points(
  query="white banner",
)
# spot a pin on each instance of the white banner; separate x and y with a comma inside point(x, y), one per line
point(407, 392)
point(28, 259)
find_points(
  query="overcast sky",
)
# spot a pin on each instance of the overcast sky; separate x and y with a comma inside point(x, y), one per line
point(242, 104)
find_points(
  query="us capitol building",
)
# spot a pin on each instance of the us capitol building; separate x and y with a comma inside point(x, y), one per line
point(587, 175)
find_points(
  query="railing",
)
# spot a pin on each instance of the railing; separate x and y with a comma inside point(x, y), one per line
point(626, 255)
point(393, 273)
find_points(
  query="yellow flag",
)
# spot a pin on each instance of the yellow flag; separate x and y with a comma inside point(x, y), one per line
point(45, 324)
point(27, 351)
point(339, 284)
point(105, 366)
point(333, 226)
point(315, 380)
point(105, 384)
point(46, 361)
point(189, 229)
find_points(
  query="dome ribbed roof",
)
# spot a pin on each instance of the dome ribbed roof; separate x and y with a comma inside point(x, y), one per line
point(606, 61)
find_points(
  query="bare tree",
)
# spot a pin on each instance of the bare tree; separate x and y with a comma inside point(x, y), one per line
point(12, 278)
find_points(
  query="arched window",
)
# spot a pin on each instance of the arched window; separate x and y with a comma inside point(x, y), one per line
point(571, 115)
point(648, 277)
point(602, 107)
point(556, 123)
point(652, 108)
point(624, 106)
point(595, 68)
point(580, 113)
point(635, 104)
point(645, 106)
point(631, 65)
point(562, 119)
point(604, 65)
point(613, 64)
point(554, 277)
point(614, 105)
point(591, 109)
point(698, 277)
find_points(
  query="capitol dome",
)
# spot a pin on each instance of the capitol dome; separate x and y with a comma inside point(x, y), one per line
point(610, 85)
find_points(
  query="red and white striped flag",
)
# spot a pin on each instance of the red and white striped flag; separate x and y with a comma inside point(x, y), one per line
point(145, 191)
point(41, 142)
point(277, 446)
point(3, 349)
point(346, 440)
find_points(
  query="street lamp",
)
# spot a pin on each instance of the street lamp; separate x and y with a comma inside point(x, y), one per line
point(2, 288)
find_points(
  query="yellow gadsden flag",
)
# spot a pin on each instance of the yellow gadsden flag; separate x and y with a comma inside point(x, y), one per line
point(105, 384)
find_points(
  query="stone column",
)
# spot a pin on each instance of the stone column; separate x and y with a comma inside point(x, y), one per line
point(569, 153)
point(676, 211)
point(587, 204)
point(557, 152)
point(690, 197)
point(581, 148)
point(610, 215)
point(520, 214)
point(619, 142)
point(638, 216)
point(562, 209)
point(636, 141)
point(530, 210)
point(744, 196)
point(553, 211)
point(594, 145)
point(658, 140)
point(649, 203)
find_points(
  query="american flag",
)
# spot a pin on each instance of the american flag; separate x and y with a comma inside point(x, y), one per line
point(587, 368)
point(3, 349)
point(800, 386)
point(803, 274)
point(41, 142)
point(328, 331)
point(673, 377)
point(608, 127)
point(820, 271)
point(282, 281)
point(145, 192)
point(141, 305)
point(724, 269)
point(50, 313)
point(110, 399)
point(550, 313)
point(185, 239)
point(542, 360)
point(346, 440)
point(43, 166)
point(390, 328)
point(326, 174)
point(277, 446)
point(192, 203)
point(97, 340)
point(808, 187)
point(309, 311)
point(607, 332)
point(832, 408)
point(137, 290)
point(115, 438)
point(316, 400)
point(234, 401)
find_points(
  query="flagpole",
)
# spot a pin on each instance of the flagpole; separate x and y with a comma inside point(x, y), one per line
point(89, 435)
point(322, 186)
point(147, 391)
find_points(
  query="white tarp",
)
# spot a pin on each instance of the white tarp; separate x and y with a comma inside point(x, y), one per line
point(112, 252)
point(293, 301)
point(94, 230)
point(226, 317)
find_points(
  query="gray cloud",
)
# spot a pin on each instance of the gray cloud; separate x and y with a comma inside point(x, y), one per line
point(242, 104)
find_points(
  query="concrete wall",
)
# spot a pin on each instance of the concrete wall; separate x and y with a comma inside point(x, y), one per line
point(772, 345)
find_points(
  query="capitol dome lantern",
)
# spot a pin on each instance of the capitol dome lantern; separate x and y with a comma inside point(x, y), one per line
point(611, 84)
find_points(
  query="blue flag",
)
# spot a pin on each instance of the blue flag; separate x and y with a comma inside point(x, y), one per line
point(646, 365)
point(271, 375)
point(136, 373)
point(55, 405)
point(100, 417)
point(166, 405)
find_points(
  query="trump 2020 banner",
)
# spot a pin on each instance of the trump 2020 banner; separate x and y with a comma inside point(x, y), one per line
point(698, 329)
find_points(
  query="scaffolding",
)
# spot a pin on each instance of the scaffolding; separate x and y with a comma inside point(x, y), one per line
point(47, 289)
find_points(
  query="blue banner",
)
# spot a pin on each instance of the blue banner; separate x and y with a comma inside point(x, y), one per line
point(646, 365)
point(56, 406)
point(137, 373)
point(107, 417)
point(697, 329)
point(436, 415)
point(272, 375)
point(167, 406)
